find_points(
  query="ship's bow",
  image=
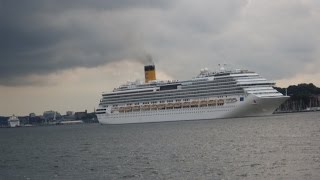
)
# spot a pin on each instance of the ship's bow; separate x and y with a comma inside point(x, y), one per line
point(258, 106)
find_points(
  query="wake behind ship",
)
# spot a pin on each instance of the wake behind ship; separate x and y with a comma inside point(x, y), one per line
point(210, 95)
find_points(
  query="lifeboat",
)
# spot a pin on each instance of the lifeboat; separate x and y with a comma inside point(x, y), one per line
point(136, 108)
point(145, 107)
point(121, 109)
point(154, 107)
point(128, 109)
point(186, 104)
point(194, 103)
point(212, 102)
point(234, 100)
point(177, 105)
point(220, 102)
point(231, 100)
point(161, 106)
point(203, 103)
point(169, 106)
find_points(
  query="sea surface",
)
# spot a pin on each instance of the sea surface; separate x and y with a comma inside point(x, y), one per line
point(285, 146)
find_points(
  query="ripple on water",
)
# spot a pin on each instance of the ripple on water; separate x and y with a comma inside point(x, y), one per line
point(276, 147)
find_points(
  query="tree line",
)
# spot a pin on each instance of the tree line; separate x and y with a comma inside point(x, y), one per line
point(302, 97)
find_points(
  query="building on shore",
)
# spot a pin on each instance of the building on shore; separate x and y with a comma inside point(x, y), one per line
point(69, 113)
point(32, 115)
point(80, 115)
point(51, 115)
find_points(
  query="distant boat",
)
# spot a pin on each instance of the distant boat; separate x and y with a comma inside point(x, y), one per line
point(13, 121)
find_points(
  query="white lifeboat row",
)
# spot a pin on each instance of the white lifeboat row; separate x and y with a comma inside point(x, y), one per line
point(176, 105)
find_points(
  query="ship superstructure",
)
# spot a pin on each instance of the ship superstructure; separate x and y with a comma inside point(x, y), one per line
point(210, 95)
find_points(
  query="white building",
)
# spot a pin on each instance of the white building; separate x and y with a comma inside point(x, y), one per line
point(69, 113)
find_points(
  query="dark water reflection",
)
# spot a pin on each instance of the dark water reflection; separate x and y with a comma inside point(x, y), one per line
point(277, 147)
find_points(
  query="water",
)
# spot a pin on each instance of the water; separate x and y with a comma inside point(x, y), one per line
point(277, 147)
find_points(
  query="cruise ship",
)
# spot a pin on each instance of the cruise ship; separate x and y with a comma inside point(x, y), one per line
point(210, 95)
point(13, 121)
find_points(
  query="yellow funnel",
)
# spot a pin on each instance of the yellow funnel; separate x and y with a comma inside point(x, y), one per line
point(149, 73)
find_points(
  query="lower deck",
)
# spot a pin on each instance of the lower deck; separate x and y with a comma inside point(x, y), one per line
point(251, 106)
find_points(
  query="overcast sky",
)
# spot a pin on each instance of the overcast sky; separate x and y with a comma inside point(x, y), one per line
point(60, 55)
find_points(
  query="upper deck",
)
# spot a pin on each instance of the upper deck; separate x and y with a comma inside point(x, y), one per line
point(204, 75)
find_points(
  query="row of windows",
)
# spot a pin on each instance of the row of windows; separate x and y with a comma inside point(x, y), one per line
point(173, 106)
point(190, 96)
point(180, 92)
point(173, 111)
point(193, 96)
point(220, 84)
point(215, 85)
point(248, 77)
point(226, 77)
point(265, 93)
point(257, 84)
point(124, 93)
point(178, 95)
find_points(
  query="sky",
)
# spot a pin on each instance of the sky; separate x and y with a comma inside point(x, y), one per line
point(61, 55)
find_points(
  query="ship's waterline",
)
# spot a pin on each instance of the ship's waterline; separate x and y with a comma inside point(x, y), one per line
point(210, 95)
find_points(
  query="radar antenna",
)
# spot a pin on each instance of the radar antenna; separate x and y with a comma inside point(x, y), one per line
point(222, 67)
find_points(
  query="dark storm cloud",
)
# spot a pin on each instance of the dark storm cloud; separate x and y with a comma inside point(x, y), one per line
point(39, 37)
point(44, 36)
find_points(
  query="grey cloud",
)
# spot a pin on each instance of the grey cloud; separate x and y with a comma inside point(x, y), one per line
point(276, 39)
point(206, 16)
point(41, 37)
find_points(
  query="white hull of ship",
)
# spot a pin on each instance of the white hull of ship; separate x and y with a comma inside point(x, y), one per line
point(251, 106)
point(14, 123)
